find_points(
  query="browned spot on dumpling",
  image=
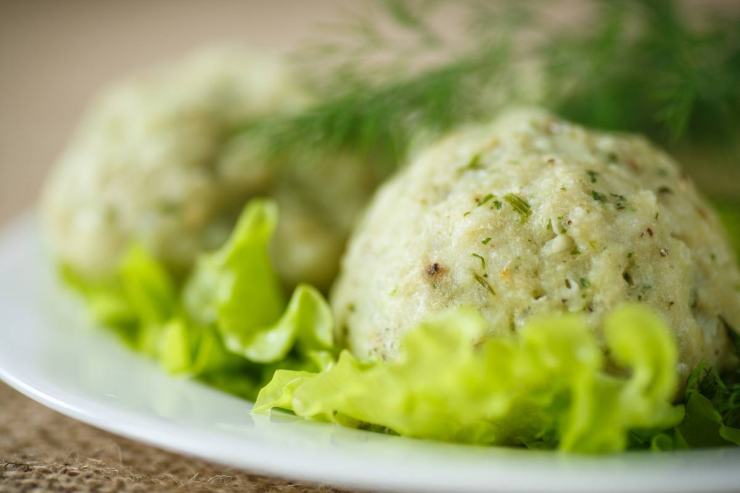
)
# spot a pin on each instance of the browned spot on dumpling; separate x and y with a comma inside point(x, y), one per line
point(435, 269)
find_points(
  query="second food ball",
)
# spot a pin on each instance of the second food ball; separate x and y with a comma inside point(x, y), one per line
point(532, 215)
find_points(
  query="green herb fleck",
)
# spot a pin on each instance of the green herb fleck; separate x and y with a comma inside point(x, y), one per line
point(474, 163)
point(575, 251)
point(485, 199)
point(584, 282)
point(164, 207)
point(592, 175)
point(482, 260)
point(480, 280)
point(620, 201)
point(598, 197)
point(496, 204)
point(627, 278)
point(520, 205)
point(486, 241)
point(562, 225)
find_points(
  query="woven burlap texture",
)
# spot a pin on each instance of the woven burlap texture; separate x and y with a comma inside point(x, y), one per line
point(41, 450)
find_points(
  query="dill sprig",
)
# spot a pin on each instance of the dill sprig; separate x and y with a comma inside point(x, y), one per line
point(643, 67)
point(637, 66)
point(519, 205)
point(381, 122)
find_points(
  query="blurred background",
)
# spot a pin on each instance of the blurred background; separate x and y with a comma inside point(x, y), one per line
point(54, 56)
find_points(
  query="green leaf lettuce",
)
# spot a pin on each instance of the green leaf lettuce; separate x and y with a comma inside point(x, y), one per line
point(551, 385)
point(546, 387)
point(228, 324)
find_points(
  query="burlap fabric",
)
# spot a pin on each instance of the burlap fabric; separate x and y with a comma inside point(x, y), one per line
point(41, 450)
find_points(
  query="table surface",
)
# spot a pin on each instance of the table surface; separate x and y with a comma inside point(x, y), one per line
point(41, 450)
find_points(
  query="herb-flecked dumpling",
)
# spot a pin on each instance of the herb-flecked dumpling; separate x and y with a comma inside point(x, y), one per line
point(158, 161)
point(531, 215)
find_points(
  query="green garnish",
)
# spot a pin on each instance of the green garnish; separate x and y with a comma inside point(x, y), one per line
point(231, 326)
point(486, 241)
point(598, 197)
point(483, 282)
point(474, 163)
point(620, 202)
point(712, 416)
point(485, 199)
point(562, 229)
point(640, 66)
point(482, 260)
point(520, 205)
point(230, 321)
point(627, 278)
point(644, 66)
point(545, 386)
point(592, 175)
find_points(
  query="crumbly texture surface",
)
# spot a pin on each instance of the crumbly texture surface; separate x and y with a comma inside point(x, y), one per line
point(531, 215)
point(41, 450)
point(156, 161)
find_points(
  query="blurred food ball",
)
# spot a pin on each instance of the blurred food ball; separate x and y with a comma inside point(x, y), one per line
point(158, 160)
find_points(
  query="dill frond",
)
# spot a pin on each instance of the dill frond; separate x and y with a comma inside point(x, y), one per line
point(638, 66)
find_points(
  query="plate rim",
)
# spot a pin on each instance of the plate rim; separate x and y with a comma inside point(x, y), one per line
point(23, 231)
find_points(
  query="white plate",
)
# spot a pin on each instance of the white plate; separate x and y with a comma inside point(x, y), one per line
point(50, 353)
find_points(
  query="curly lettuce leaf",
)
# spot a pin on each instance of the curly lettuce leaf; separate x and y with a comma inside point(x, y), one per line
point(712, 409)
point(237, 290)
point(545, 387)
point(236, 286)
point(135, 303)
point(229, 324)
point(141, 305)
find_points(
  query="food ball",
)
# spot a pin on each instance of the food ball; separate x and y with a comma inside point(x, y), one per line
point(157, 161)
point(531, 215)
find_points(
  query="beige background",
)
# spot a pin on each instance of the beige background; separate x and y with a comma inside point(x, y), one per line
point(54, 55)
